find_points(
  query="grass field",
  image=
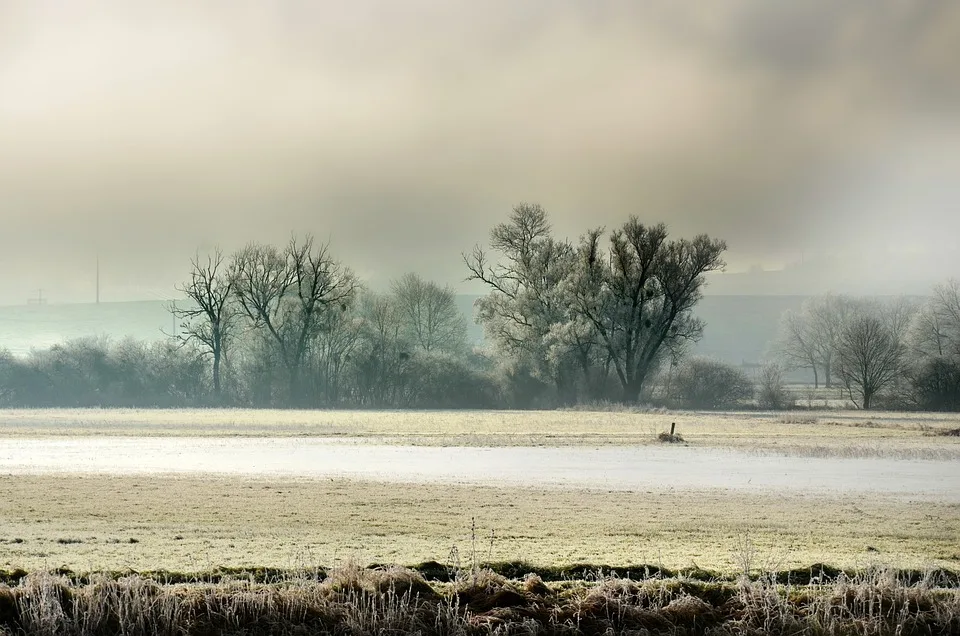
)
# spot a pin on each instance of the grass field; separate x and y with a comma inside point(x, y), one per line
point(804, 433)
point(196, 524)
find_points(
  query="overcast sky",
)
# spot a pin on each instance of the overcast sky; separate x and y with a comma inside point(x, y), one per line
point(819, 132)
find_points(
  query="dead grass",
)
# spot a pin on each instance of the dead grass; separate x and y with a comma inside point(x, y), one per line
point(674, 438)
point(396, 601)
point(200, 524)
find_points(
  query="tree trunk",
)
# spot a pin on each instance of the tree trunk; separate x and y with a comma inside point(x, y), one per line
point(296, 397)
point(216, 374)
point(816, 377)
point(631, 392)
point(826, 376)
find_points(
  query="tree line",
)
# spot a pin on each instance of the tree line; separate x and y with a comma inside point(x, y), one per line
point(292, 326)
point(609, 318)
point(901, 351)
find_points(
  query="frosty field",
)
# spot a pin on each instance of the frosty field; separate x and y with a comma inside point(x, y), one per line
point(893, 498)
point(806, 433)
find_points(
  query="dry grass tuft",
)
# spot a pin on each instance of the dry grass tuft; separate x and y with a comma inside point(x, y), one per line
point(353, 578)
point(667, 438)
point(797, 418)
point(533, 584)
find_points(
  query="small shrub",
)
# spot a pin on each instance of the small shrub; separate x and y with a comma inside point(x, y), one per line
point(710, 384)
point(771, 392)
point(669, 438)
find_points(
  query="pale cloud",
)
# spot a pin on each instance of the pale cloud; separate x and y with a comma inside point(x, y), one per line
point(402, 131)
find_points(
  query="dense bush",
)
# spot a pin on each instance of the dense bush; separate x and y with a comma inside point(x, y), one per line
point(935, 384)
point(704, 383)
point(88, 372)
point(441, 381)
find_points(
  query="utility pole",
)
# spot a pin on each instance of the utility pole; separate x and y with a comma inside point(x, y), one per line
point(98, 279)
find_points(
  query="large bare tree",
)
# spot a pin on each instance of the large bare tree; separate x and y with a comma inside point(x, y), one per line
point(638, 294)
point(796, 344)
point(209, 320)
point(285, 293)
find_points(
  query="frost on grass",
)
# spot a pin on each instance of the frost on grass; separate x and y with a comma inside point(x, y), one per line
point(396, 601)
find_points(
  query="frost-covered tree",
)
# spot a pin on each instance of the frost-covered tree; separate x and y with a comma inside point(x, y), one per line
point(526, 305)
point(576, 314)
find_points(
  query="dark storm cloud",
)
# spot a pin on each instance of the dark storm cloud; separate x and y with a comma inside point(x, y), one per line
point(403, 131)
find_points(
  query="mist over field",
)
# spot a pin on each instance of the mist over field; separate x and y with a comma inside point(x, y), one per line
point(817, 138)
point(499, 316)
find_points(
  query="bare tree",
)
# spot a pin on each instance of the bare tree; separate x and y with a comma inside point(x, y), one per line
point(826, 315)
point(432, 320)
point(210, 319)
point(286, 292)
point(338, 340)
point(526, 299)
point(870, 357)
point(929, 334)
point(935, 330)
point(808, 339)
point(897, 313)
point(638, 296)
point(386, 353)
point(796, 344)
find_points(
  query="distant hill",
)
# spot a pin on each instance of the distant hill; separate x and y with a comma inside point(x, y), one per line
point(39, 326)
point(738, 328)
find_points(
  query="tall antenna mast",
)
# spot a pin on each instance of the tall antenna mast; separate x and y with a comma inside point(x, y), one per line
point(98, 279)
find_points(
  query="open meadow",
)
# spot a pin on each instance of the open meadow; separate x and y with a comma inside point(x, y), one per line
point(198, 519)
point(201, 525)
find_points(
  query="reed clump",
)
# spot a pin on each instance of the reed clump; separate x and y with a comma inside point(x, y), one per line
point(393, 600)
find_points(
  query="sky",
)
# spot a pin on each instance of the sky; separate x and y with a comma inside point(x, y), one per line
point(820, 139)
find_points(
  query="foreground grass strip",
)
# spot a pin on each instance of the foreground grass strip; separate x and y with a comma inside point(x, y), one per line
point(353, 600)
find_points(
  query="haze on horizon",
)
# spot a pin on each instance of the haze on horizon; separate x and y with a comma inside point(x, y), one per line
point(818, 133)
